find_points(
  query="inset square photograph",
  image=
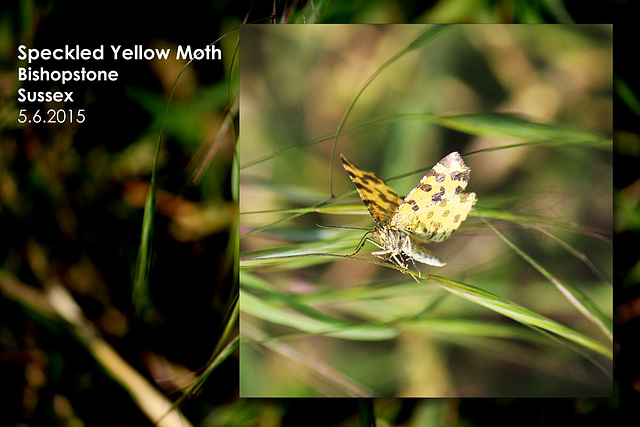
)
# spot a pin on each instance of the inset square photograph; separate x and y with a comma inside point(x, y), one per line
point(426, 211)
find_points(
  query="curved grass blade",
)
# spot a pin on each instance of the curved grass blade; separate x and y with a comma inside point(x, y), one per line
point(483, 124)
point(509, 309)
point(311, 321)
point(289, 310)
point(140, 286)
point(227, 345)
point(509, 125)
point(366, 413)
point(56, 308)
point(519, 313)
point(627, 95)
point(295, 213)
point(531, 220)
point(423, 37)
point(574, 296)
point(430, 118)
point(322, 377)
point(291, 259)
point(576, 253)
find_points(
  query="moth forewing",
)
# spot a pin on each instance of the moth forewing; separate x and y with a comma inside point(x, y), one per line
point(380, 199)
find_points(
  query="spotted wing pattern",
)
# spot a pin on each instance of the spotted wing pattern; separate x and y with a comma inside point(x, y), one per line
point(378, 197)
point(436, 207)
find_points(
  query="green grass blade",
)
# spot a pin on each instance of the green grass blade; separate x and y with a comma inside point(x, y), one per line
point(481, 124)
point(227, 345)
point(367, 415)
point(532, 220)
point(576, 253)
point(286, 310)
point(519, 313)
point(143, 263)
point(423, 37)
point(140, 288)
point(324, 378)
point(574, 296)
point(628, 96)
point(508, 125)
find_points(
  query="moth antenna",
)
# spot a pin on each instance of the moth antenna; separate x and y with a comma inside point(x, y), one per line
point(342, 227)
point(362, 240)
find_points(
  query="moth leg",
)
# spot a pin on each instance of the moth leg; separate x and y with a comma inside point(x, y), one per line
point(407, 248)
point(405, 266)
point(389, 254)
point(384, 253)
point(393, 247)
point(400, 262)
point(396, 258)
point(377, 244)
point(391, 251)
